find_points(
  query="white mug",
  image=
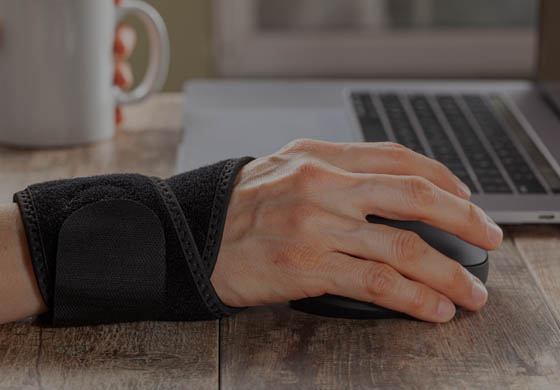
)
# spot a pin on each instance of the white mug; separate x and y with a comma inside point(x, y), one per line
point(57, 68)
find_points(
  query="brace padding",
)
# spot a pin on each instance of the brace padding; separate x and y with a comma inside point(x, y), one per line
point(126, 263)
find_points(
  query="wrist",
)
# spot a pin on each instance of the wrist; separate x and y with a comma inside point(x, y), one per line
point(19, 294)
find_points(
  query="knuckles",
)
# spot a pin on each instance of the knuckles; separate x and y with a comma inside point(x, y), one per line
point(459, 278)
point(398, 152)
point(419, 299)
point(419, 192)
point(474, 215)
point(309, 175)
point(407, 247)
point(394, 146)
point(301, 145)
point(307, 170)
point(475, 219)
point(380, 280)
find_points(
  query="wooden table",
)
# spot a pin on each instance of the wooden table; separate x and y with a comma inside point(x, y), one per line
point(514, 342)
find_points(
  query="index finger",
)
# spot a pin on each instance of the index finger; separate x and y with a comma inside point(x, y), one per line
point(415, 198)
point(384, 157)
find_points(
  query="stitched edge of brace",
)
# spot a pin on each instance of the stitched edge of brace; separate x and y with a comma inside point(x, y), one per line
point(35, 243)
point(219, 212)
point(197, 269)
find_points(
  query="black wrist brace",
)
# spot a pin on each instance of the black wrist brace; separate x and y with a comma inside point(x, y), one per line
point(128, 247)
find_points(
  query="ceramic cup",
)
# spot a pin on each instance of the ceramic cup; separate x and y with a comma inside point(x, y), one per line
point(57, 68)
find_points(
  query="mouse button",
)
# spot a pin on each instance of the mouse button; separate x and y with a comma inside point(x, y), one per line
point(454, 248)
point(480, 270)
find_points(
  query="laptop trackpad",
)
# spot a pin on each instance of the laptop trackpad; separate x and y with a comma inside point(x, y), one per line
point(215, 135)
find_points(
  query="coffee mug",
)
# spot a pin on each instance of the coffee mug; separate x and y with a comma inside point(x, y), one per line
point(57, 69)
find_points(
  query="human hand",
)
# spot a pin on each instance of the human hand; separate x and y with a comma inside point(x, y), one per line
point(125, 40)
point(296, 228)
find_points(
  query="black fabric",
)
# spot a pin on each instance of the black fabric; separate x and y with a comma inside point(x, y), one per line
point(191, 208)
point(110, 265)
point(203, 212)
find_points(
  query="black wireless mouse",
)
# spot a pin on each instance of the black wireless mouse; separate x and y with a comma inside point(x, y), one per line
point(474, 259)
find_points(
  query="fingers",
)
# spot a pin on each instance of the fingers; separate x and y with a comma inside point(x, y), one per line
point(412, 257)
point(395, 159)
point(383, 157)
point(123, 75)
point(125, 41)
point(416, 198)
point(378, 283)
point(390, 196)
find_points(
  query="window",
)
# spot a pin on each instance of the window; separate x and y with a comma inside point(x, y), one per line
point(376, 38)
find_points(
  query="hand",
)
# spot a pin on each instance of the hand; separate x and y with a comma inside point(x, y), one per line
point(125, 40)
point(296, 228)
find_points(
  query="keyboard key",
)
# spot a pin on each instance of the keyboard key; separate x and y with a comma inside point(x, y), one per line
point(371, 125)
point(509, 155)
point(546, 170)
point(400, 123)
point(478, 156)
point(489, 176)
point(438, 140)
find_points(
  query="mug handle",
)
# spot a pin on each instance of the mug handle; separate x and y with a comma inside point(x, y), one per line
point(158, 65)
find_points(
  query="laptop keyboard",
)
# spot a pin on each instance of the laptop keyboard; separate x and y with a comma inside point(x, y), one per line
point(399, 119)
point(448, 128)
point(515, 165)
point(487, 172)
point(439, 141)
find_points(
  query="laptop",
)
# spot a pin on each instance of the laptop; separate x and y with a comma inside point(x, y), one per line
point(502, 138)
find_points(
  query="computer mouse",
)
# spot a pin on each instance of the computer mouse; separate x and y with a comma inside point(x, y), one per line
point(474, 259)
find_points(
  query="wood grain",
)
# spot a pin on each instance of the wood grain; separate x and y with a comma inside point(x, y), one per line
point(145, 355)
point(19, 347)
point(513, 343)
point(540, 247)
point(132, 356)
point(140, 355)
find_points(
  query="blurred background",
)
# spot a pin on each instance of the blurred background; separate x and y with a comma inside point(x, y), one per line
point(346, 38)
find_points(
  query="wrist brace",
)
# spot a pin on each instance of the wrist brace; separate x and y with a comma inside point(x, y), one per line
point(128, 247)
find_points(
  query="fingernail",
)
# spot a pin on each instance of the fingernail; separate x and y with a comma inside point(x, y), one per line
point(446, 310)
point(463, 188)
point(479, 292)
point(495, 234)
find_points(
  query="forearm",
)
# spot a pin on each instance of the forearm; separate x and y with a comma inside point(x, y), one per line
point(19, 294)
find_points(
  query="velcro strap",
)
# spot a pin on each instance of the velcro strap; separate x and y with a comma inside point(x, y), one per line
point(110, 265)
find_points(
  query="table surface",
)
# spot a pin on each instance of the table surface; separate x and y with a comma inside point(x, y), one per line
point(514, 342)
